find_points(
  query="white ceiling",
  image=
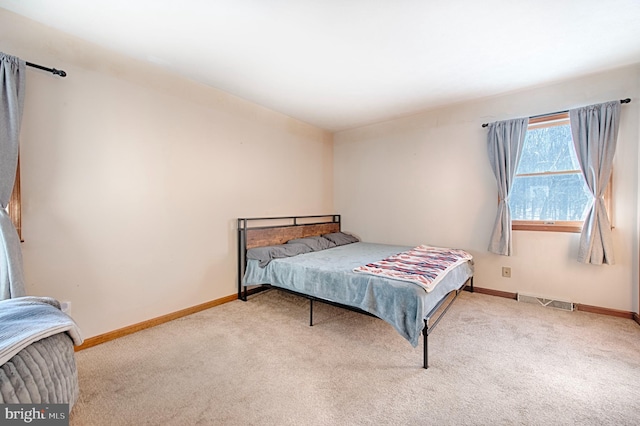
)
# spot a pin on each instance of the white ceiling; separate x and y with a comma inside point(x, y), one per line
point(339, 64)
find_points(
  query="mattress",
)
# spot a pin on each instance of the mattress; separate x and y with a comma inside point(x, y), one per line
point(328, 274)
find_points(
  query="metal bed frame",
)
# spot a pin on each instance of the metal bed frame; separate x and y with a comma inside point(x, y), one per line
point(290, 227)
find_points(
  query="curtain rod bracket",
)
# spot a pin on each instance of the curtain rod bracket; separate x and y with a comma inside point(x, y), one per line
point(61, 73)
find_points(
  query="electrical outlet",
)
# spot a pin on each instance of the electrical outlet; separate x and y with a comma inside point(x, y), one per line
point(66, 307)
point(506, 272)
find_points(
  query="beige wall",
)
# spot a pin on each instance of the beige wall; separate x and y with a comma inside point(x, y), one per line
point(132, 179)
point(426, 179)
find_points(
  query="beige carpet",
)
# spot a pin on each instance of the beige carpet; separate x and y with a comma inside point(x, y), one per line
point(493, 361)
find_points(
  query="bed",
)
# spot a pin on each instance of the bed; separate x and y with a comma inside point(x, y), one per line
point(37, 361)
point(326, 274)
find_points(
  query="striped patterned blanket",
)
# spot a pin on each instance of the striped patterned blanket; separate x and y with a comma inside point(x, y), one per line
point(422, 265)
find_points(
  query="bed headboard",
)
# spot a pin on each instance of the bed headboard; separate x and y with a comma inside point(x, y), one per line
point(268, 231)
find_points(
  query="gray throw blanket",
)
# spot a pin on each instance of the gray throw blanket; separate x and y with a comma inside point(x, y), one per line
point(25, 320)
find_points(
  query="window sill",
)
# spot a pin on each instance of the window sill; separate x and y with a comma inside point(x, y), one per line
point(558, 226)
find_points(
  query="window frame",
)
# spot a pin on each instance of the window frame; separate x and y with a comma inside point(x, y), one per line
point(556, 119)
point(15, 203)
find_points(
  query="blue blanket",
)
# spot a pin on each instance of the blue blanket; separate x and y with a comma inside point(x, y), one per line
point(24, 320)
point(328, 274)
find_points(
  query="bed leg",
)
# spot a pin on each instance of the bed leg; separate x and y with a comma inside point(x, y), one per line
point(310, 312)
point(425, 355)
point(471, 284)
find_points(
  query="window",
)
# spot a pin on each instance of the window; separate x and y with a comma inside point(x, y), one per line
point(549, 192)
point(15, 203)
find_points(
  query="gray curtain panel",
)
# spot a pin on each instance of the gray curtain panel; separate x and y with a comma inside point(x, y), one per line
point(12, 83)
point(505, 141)
point(595, 131)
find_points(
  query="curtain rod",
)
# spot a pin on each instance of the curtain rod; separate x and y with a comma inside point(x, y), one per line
point(51, 70)
point(622, 101)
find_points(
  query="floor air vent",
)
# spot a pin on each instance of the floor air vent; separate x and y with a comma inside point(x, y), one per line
point(551, 303)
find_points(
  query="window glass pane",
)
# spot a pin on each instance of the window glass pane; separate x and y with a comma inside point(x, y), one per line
point(548, 149)
point(550, 197)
